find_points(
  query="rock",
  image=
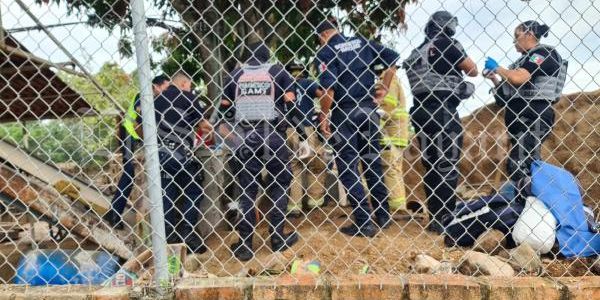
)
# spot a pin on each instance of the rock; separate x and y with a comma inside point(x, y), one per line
point(490, 242)
point(446, 267)
point(476, 263)
point(425, 264)
point(526, 259)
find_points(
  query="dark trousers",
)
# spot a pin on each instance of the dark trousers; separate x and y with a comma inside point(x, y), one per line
point(528, 127)
point(125, 185)
point(355, 140)
point(181, 181)
point(439, 132)
point(263, 147)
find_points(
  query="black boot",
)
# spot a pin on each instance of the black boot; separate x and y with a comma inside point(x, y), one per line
point(195, 244)
point(242, 249)
point(366, 230)
point(281, 242)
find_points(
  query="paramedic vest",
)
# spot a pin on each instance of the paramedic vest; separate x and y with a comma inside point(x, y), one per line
point(129, 120)
point(422, 77)
point(542, 87)
point(255, 94)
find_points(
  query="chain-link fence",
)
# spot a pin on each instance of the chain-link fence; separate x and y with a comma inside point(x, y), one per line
point(146, 140)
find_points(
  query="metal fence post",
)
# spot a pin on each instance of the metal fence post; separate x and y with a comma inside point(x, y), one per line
point(159, 243)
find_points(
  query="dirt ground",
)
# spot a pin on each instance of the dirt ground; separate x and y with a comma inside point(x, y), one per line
point(573, 144)
point(342, 256)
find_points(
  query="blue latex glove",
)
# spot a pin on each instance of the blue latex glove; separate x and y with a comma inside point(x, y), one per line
point(491, 64)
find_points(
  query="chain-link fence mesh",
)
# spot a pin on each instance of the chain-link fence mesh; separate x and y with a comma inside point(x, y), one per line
point(334, 138)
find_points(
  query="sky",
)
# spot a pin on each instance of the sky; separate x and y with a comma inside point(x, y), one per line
point(485, 29)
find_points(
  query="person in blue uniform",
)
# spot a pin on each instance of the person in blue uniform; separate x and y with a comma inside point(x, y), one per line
point(257, 92)
point(178, 114)
point(130, 135)
point(527, 89)
point(436, 72)
point(350, 122)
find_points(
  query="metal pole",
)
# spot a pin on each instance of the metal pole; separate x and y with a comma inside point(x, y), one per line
point(159, 242)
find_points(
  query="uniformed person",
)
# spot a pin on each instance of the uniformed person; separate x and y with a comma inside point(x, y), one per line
point(435, 72)
point(130, 132)
point(527, 89)
point(178, 114)
point(346, 72)
point(258, 92)
point(394, 126)
point(308, 164)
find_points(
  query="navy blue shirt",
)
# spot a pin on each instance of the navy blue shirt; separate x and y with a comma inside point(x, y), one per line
point(347, 65)
point(445, 56)
point(306, 91)
point(178, 112)
point(282, 79)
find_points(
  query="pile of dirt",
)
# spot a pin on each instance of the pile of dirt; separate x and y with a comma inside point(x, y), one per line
point(573, 144)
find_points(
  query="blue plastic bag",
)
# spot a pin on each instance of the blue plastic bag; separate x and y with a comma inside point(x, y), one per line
point(59, 267)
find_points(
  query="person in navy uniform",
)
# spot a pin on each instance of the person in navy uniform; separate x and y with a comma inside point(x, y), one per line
point(178, 115)
point(130, 135)
point(435, 72)
point(346, 73)
point(257, 92)
point(527, 89)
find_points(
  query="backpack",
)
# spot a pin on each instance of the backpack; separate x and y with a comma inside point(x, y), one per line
point(472, 218)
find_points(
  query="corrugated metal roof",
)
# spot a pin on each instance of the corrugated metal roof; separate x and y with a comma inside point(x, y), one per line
point(30, 90)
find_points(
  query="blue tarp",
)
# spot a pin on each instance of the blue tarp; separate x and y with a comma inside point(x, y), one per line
point(558, 190)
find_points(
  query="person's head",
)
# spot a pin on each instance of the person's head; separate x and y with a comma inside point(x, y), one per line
point(441, 22)
point(159, 84)
point(296, 70)
point(182, 81)
point(528, 35)
point(326, 30)
point(258, 52)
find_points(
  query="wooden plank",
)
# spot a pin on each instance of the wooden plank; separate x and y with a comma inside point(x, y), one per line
point(35, 167)
point(49, 203)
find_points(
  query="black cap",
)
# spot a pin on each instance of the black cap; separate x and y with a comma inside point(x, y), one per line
point(294, 66)
point(329, 23)
point(160, 79)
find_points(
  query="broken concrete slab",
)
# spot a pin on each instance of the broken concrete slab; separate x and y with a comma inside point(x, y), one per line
point(524, 258)
point(476, 263)
point(490, 242)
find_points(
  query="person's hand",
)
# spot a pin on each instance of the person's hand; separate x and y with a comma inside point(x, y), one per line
point(491, 64)
point(380, 93)
point(207, 130)
point(304, 150)
point(324, 125)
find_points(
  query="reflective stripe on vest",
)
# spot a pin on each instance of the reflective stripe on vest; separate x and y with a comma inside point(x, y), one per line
point(393, 141)
point(399, 114)
point(255, 94)
point(541, 87)
point(390, 100)
point(129, 122)
point(422, 77)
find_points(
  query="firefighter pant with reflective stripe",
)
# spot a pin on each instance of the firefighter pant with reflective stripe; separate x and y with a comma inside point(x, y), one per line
point(392, 168)
point(309, 175)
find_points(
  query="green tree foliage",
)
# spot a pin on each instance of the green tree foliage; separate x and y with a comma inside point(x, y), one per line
point(86, 140)
point(213, 32)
